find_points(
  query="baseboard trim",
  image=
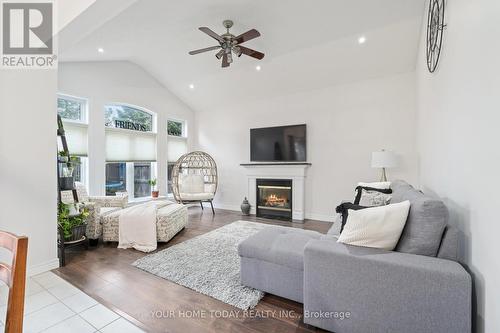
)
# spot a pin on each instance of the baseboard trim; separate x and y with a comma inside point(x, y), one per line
point(310, 216)
point(43, 267)
point(227, 207)
point(320, 217)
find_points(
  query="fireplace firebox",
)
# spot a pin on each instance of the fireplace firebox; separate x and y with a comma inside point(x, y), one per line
point(274, 198)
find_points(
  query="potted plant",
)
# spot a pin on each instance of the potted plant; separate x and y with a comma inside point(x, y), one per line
point(154, 191)
point(63, 156)
point(72, 225)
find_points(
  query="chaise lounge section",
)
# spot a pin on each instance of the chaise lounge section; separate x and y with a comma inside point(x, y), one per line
point(347, 288)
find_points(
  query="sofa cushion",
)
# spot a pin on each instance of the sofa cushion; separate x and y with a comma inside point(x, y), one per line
point(278, 245)
point(426, 221)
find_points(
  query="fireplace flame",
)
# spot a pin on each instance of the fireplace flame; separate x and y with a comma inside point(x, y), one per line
point(275, 200)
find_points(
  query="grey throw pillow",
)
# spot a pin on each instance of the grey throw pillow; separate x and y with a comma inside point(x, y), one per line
point(426, 221)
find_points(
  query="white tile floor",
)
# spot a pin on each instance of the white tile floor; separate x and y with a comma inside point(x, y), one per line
point(53, 305)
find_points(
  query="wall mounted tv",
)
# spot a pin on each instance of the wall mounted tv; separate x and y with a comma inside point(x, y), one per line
point(278, 144)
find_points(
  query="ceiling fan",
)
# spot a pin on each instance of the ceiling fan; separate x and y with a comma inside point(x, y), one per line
point(229, 44)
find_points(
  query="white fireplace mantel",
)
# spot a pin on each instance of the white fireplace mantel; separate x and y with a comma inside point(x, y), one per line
point(293, 171)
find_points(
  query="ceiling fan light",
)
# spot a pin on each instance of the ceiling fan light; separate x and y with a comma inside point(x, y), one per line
point(237, 51)
point(229, 57)
point(219, 54)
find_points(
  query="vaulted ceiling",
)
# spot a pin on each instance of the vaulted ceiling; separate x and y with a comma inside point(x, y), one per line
point(308, 44)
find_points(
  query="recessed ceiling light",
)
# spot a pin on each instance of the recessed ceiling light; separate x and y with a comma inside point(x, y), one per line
point(362, 40)
point(191, 86)
point(257, 68)
point(100, 50)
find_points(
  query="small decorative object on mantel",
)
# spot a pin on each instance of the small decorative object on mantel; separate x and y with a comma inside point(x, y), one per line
point(154, 192)
point(384, 159)
point(435, 27)
point(245, 207)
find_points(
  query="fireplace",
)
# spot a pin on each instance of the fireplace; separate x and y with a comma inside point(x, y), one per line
point(274, 198)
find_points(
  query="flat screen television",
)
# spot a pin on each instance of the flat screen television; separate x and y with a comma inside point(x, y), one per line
point(278, 144)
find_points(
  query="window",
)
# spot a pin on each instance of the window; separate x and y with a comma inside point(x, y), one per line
point(80, 169)
point(73, 112)
point(127, 117)
point(72, 108)
point(130, 150)
point(142, 176)
point(130, 177)
point(175, 128)
point(170, 167)
point(176, 146)
point(116, 178)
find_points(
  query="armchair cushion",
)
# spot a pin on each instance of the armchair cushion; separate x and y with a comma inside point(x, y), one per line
point(196, 196)
point(191, 183)
point(120, 201)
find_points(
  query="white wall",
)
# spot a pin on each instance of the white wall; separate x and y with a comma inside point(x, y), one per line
point(28, 152)
point(344, 125)
point(458, 134)
point(121, 82)
point(28, 183)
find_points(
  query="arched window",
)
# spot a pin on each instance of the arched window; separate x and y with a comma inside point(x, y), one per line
point(128, 117)
point(130, 150)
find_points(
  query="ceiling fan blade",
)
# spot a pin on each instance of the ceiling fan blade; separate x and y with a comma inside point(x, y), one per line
point(204, 50)
point(246, 36)
point(225, 62)
point(212, 34)
point(251, 53)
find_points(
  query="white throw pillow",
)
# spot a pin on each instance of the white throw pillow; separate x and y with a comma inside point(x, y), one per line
point(377, 185)
point(378, 227)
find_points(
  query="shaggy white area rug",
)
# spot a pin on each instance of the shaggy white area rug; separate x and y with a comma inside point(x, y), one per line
point(208, 264)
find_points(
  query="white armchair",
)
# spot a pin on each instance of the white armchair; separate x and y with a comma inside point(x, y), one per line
point(98, 206)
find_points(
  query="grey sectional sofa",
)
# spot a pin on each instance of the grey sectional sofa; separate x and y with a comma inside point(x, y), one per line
point(419, 287)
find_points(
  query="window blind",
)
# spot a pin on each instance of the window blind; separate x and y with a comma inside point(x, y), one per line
point(130, 146)
point(176, 147)
point(76, 137)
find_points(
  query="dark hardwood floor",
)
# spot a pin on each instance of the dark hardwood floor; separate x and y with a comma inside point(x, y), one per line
point(157, 305)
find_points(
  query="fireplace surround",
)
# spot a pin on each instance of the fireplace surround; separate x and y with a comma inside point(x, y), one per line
point(294, 172)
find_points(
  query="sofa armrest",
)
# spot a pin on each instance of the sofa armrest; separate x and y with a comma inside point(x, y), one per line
point(110, 201)
point(383, 291)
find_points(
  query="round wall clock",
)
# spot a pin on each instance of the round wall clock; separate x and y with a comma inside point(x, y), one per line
point(435, 27)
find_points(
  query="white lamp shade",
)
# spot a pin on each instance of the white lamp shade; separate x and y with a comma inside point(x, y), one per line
point(384, 159)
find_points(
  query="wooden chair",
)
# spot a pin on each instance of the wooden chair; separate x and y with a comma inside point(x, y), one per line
point(14, 276)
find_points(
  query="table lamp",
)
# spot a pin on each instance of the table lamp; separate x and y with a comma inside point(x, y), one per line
point(384, 159)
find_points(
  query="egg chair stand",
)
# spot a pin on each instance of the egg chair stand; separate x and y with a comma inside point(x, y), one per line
point(194, 179)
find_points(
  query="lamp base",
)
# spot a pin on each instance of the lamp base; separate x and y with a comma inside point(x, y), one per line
point(383, 176)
